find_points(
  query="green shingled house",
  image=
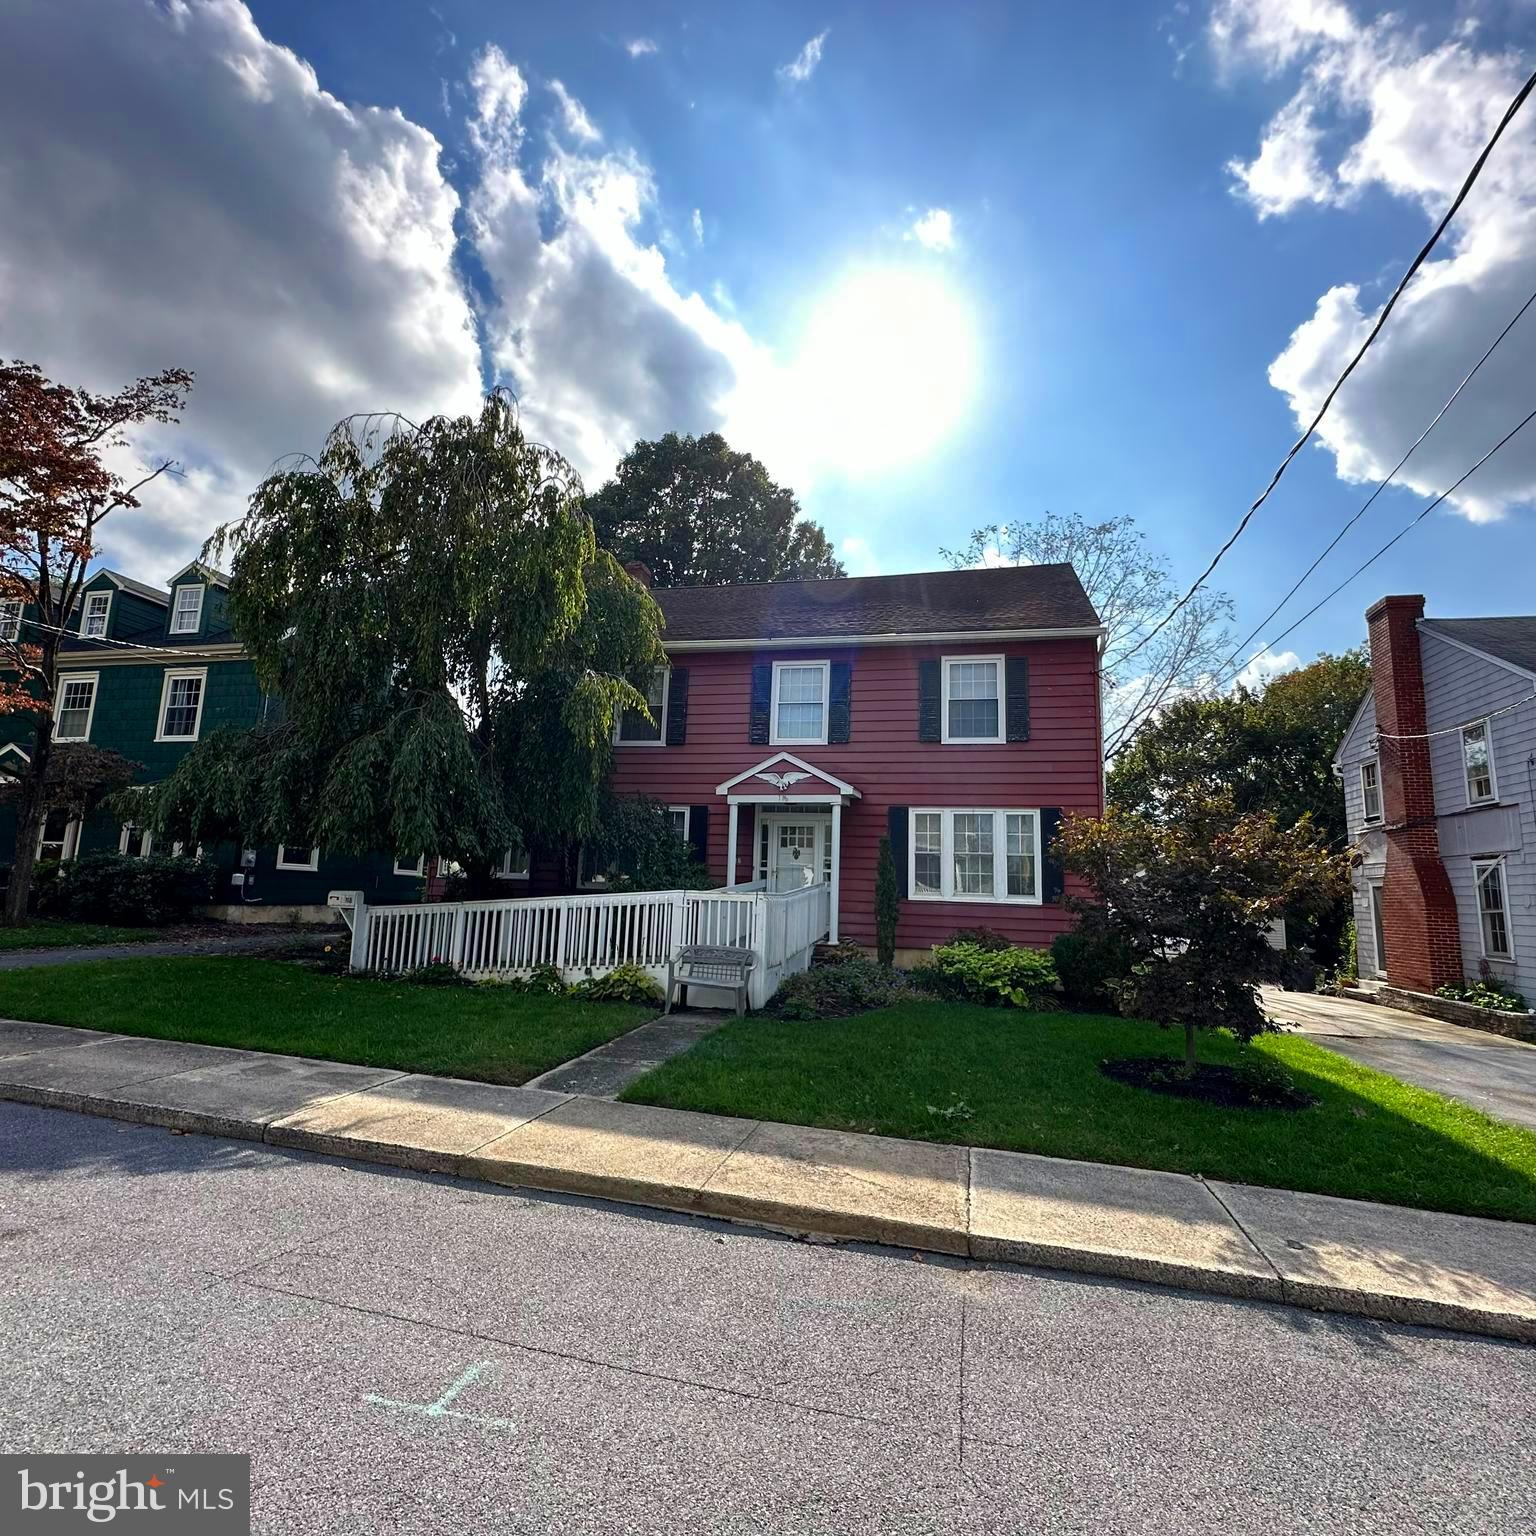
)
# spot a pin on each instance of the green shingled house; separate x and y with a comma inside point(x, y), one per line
point(149, 672)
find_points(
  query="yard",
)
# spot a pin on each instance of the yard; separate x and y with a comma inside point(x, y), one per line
point(490, 1033)
point(58, 933)
point(1031, 1083)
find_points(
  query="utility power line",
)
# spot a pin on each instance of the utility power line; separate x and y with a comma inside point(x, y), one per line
point(1452, 730)
point(1418, 261)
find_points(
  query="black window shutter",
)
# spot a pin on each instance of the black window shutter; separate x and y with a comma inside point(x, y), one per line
point(1055, 876)
point(1018, 698)
point(839, 707)
point(677, 707)
point(762, 695)
point(896, 821)
point(930, 704)
point(698, 832)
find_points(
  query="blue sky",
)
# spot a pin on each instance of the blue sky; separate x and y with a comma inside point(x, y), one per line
point(1130, 212)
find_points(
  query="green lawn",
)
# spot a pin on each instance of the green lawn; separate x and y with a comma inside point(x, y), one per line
point(489, 1033)
point(1030, 1083)
point(56, 933)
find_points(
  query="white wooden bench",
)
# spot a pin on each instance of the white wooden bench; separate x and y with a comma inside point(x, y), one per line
point(726, 966)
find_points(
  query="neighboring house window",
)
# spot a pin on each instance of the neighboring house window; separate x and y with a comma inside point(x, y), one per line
point(187, 614)
point(405, 866)
point(59, 836)
point(289, 857)
point(10, 619)
point(1370, 790)
point(973, 710)
point(76, 705)
point(677, 819)
point(181, 705)
point(1477, 758)
point(1492, 908)
point(514, 865)
point(633, 729)
point(93, 621)
point(136, 842)
point(799, 707)
point(975, 855)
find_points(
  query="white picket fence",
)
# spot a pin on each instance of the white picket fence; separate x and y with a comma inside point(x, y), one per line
point(591, 935)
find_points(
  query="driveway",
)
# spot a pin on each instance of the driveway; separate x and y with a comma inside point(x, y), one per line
point(1495, 1075)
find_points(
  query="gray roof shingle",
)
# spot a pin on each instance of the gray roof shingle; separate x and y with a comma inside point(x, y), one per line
point(1511, 639)
point(924, 602)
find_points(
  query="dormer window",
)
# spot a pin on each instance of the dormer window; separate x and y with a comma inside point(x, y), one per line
point(93, 618)
point(187, 611)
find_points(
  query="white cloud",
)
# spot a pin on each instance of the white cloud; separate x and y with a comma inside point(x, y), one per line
point(639, 47)
point(1383, 108)
point(935, 230)
point(857, 557)
point(1264, 667)
point(574, 115)
point(804, 64)
point(698, 227)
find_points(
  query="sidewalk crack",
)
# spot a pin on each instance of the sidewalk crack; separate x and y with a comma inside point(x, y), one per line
point(1236, 1221)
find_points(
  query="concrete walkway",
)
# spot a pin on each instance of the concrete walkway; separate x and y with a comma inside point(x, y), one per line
point(1230, 1239)
point(1490, 1072)
point(606, 1072)
point(247, 941)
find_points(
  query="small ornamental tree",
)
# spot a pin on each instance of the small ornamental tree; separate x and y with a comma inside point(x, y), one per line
point(1192, 893)
point(887, 904)
point(55, 491)
point(442, 647)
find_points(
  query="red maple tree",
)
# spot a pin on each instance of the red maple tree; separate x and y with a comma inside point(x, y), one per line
point(55, 491)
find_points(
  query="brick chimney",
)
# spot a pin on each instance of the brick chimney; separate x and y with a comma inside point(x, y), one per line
point(641, 572)
point(1423, 939)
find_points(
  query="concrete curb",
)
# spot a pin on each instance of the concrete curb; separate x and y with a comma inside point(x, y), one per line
point(1318, 1252)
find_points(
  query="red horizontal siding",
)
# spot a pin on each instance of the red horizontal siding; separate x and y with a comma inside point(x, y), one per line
point(1060, 765)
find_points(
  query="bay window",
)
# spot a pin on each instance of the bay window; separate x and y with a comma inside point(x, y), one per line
point(971, 855)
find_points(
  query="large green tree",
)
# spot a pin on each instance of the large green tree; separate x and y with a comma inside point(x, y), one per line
point(442, 644)
point(699, 513)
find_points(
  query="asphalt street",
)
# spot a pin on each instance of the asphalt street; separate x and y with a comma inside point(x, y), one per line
point(404, 1354)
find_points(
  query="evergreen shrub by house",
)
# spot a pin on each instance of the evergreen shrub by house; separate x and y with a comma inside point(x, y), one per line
point(134, 893)
point(1090, 960)
point(853, 984)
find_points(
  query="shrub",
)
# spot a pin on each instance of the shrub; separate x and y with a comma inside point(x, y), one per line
point(436, 973)
point(1485, 993)
point(887, 904)
point(113, 888)
point(1089, 961)
point(1018, 977)
point(853, 984)
point(623, 984)
point(1294, 969)
point(542, 978)
point(1265, 1082)
point(982, 938)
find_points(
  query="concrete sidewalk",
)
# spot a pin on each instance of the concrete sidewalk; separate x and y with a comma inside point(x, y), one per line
point(1311, 1250)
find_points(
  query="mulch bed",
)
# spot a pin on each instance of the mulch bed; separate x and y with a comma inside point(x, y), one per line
point(1211, 1084)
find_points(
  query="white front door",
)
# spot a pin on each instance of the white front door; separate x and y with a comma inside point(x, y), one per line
point(797, 851)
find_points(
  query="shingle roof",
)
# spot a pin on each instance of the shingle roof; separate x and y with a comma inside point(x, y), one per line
point(923, 603)
point(140, 588)
point(1510, 639)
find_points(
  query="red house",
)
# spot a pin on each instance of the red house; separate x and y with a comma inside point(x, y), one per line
point(958, 711)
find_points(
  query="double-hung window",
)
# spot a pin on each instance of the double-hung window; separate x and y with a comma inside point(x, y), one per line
point(10, 618)
point(973, 702)
point(1370, 791)
point(677, 820)
point(93, 617)
point(799, 705)
point(75, 707)
point(1492, 908)
point(187, 611)
point(135, 841)
point(633, 729)
point(181, 705)
point(1477, 760)
point(514, 865)
point(974, 855)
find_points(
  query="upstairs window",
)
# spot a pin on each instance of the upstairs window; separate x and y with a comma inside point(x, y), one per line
point(799, 706)
point(1370, 791)
point(973, 710)
point(187, 612)
point(76, 704)
point(633, 729)
point(181, 706)
point(10, 619)
point(968, 855)
point(1477, 759)
point(93, 618)
point(1492, 910)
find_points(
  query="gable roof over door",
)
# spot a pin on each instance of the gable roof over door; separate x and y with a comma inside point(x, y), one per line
point(1015, 599)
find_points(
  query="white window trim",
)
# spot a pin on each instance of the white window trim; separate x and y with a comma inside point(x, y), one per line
point(687, 818)
point(1466, 774)
point(10, 628)
point(133, 826)
point(70, 848)
point(418, 869)
point(1479, 866)
point(172, 674)
point(85, 616)
point(661, 718)
point(776, 740)
point(1365, 814)
point(1002, 704)
point(94, 679)
point(946, 891)
point(177, 627)
point(504, 870)
point(312, 864)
